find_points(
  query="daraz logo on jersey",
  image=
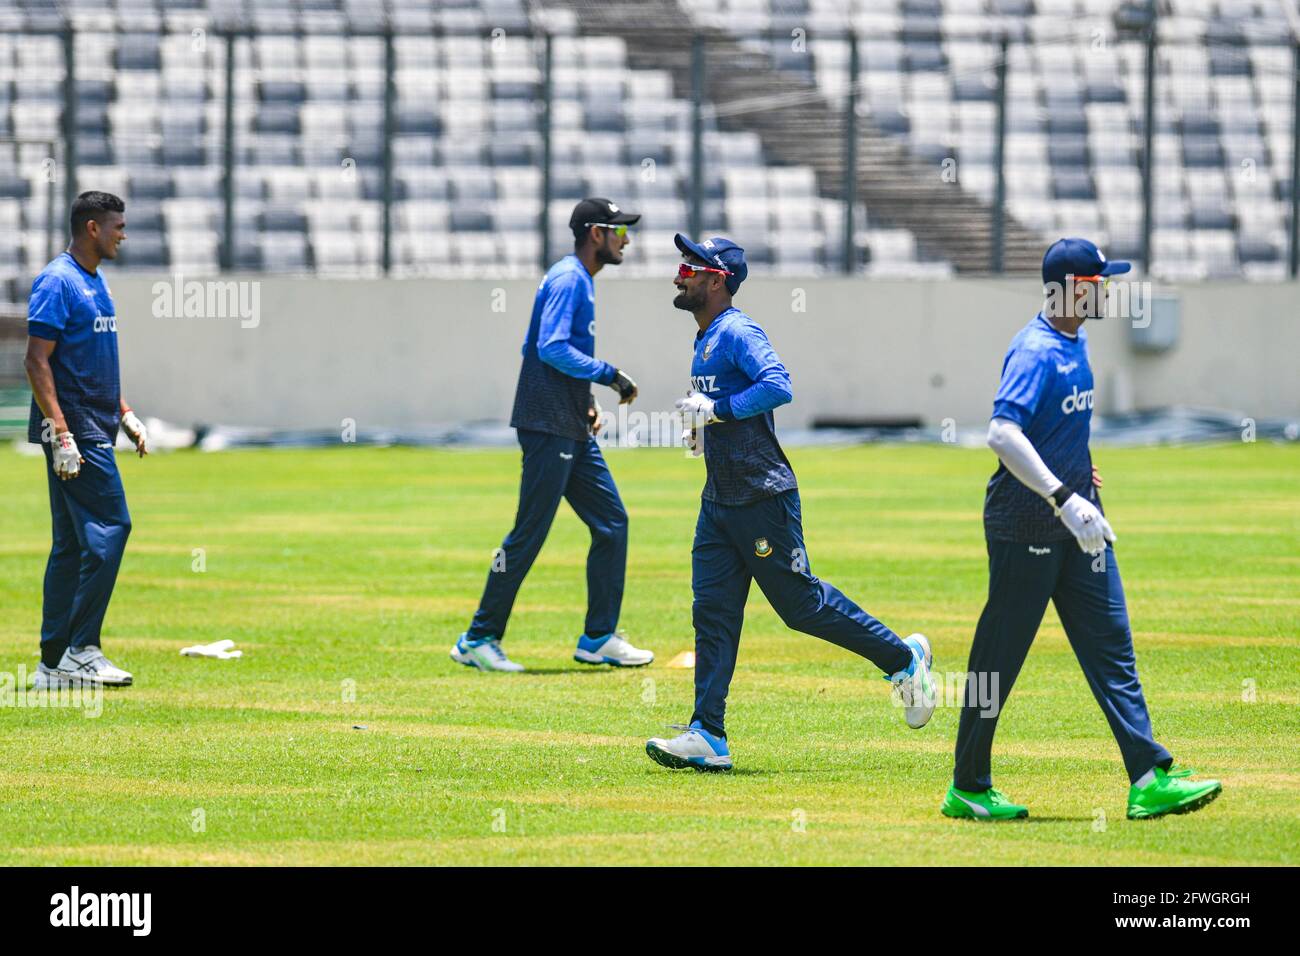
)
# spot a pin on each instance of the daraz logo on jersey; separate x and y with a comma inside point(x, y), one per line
point(105, 323)
point(1077, 401)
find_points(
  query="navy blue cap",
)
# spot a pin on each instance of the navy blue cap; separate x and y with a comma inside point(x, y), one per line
point(1078, 257)
point(721, 254)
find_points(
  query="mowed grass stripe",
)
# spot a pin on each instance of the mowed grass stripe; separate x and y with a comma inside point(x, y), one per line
point(345, 574)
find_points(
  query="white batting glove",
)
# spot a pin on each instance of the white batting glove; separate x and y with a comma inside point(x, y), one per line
point(1088, 525)
point(135, 431)
point(691, 439)
point(697, 409)
point(67, 459)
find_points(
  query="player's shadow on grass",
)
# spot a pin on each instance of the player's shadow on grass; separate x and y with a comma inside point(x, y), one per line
point(1034, 819)
point(548, 671)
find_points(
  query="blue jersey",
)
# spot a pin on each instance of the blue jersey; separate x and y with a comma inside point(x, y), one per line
point(1047, 390)
point(736, 366)
point(554, 390)
point(72, 308)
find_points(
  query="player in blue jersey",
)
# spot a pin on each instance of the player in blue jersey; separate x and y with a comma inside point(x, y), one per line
point(556, 418)
point(750, 525)
point(1042, 499)
point(77, 406)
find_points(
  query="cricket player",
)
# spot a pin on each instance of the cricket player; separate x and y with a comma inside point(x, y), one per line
point(750, 525)
point(557, 418)
point(77, 406)
point(1049, 540)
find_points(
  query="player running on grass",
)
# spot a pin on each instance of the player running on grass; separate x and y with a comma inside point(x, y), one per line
point(1042, 495)
point(750, 526)
point(77, 405)
point(556, 418)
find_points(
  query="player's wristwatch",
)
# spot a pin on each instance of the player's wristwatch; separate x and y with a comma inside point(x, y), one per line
point(1059, 497)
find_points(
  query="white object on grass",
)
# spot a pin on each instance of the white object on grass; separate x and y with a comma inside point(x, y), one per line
point(218, 650)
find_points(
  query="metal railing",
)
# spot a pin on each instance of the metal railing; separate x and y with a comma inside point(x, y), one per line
point(855, 125)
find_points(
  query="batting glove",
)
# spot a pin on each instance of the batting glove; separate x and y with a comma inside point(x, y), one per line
point(135, 431)
point(594, 411)
point(1088, 525)
point(624, 385)
point(691, 439)
point(697, 409)
point(67, 459)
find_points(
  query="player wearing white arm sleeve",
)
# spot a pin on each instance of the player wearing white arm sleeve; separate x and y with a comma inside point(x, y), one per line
point(1045, 492)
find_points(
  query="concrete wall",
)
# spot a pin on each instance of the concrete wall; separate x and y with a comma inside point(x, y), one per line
point(412, 352)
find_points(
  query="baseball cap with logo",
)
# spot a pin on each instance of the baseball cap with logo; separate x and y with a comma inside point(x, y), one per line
point(720, 253)
point(1078, 258)
point(600, 211)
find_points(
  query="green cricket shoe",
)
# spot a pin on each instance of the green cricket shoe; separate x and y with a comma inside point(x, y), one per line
point(990, 804)
point(1170, 794)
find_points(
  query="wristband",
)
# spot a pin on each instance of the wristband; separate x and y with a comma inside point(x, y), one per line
point(1059, 497)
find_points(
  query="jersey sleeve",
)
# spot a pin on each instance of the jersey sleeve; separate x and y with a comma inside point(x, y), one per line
point(553, 346)
point(1026, 376)
point(750, 351)
point(47, 308)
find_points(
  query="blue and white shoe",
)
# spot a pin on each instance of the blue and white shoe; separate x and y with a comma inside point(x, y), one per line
point(611, 649)
point(485, 654)
point(694, 749)
point(914, 686)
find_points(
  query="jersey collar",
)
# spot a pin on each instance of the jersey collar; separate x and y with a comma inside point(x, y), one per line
point(1055, 331)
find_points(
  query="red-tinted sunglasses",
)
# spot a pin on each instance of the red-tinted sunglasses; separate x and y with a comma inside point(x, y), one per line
point(686, 270)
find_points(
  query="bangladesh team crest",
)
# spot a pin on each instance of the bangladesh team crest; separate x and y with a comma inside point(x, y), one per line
point(762, 548)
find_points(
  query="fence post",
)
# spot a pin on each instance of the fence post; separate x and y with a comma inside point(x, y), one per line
point(697, 135)
point(997, 263)
point(390, 97)
point(548, 93)
point(228, 161)
point(850, 256)
point(1148, 137)
point(1294, 265)
point(50, 214)
point(69, 115)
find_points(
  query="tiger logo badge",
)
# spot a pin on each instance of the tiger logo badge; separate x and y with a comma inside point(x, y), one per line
point(762, 548)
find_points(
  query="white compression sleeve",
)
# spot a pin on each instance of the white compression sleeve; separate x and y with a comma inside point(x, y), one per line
point(1017, 452)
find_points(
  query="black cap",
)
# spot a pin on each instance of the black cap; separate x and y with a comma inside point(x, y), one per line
point(603, 211)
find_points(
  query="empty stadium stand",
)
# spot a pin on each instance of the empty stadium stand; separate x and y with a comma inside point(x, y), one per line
point(309, 142)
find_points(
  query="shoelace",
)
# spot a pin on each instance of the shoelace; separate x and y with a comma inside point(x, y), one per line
point(684, 728)
point(494, 649)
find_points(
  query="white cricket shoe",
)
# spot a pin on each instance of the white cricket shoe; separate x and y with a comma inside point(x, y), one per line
point(611, 649)
point(694, 748)
point(485, 654)
point(915, 686)
point(90, 666)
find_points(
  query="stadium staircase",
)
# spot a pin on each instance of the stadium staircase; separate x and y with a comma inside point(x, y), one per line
point(798, 126)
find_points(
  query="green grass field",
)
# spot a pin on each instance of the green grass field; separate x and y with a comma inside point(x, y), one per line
point(348, 573)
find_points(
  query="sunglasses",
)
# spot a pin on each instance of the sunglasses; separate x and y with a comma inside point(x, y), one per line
point(686, 270)
point(619, 231)
point(1103, 281)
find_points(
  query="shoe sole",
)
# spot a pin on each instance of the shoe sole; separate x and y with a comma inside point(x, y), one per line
point(928, 659)
point(597, 659)
point(674, 762)
point(70, 680)
point(1191, 806)
point(968, 815)
point(468, 661)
